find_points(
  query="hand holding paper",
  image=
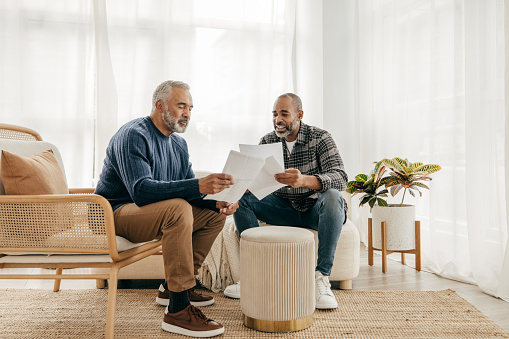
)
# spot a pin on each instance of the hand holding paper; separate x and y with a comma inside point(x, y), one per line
point(243, 168)
point(215, 183)
point(291, 177)
point(253, 168)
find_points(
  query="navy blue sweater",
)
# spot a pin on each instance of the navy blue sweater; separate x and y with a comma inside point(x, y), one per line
point(144, 166)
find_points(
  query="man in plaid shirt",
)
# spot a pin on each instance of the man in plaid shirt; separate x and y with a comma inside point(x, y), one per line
point(314, 175)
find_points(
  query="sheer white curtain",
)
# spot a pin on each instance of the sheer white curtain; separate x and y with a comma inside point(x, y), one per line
point(236, 56)
point(47, 76)
point(76, 70)
point(430, 88)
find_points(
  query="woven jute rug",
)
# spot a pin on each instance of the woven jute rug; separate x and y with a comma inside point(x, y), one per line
point(361, 314)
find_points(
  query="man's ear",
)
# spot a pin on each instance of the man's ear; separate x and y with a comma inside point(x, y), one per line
point(300, 114)
point(160, 105)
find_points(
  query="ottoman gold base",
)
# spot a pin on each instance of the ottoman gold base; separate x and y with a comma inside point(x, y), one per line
point(278, 326)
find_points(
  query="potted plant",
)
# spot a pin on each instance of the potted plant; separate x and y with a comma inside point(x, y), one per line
point(393, 175)
point(371, 186)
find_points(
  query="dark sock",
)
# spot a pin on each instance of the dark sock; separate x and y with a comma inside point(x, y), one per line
point(165, 285)
point(178, 301)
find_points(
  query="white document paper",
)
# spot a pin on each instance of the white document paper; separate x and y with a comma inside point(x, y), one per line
point(264, 151)
point(264, 183)
point(244, 168)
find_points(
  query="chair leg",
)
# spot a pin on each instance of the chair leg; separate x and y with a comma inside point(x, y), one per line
point(345, 284)
point(100, 283)
point(112, 303)
point(403, 262)
point(370, 242)
point(56, 285)
point(384, 247)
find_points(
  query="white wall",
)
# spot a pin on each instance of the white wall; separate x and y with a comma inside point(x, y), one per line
point(308, 60)
point(338, 77)
point(324, 57)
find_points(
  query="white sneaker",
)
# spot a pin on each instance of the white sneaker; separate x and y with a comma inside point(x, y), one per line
point(323, 294)
point(233, 291)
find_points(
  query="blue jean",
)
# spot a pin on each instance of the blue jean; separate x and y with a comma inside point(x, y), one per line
point(326, 216)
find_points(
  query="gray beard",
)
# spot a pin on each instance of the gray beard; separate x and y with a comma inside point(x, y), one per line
point(289, 129)
point(173, 124)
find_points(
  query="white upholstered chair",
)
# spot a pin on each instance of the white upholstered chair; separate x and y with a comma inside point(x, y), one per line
point(63, 231)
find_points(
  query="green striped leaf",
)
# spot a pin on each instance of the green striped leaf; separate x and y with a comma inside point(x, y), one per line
point(381, 202)
point(394, 165)
point(416, 165)
point(390, 181)
point(403, 163)
point(430, 168)
point(361, 177)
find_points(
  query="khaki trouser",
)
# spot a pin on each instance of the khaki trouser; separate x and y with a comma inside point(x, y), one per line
point(187, 234)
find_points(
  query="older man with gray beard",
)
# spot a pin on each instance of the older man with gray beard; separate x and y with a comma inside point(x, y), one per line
point(148, 179)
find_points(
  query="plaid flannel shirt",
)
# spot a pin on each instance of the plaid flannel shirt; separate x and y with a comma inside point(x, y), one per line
point(314, 153)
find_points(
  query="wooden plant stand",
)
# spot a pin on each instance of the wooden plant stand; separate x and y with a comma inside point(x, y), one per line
point(385, 252)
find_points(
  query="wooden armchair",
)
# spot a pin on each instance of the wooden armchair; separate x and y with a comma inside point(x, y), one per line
point(62, 231)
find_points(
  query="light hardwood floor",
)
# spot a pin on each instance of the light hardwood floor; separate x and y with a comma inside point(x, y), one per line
point(398, 277)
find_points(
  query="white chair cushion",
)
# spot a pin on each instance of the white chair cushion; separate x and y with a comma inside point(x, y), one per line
point(57, 240)
point(60, 239)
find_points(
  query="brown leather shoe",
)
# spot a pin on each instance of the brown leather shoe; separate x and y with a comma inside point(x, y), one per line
point(196, 299)
point(191, 322)
point(163, 296)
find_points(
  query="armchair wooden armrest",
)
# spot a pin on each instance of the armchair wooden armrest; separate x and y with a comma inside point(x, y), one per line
point(82, 190)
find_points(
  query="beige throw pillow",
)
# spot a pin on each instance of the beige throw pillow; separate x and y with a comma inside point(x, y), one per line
point(36, 174)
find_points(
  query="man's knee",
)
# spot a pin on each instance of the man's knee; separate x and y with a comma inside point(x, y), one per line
point(219, 220)
point(177, 212)
point(332, 198)
point(332, 204)
point(246, 200)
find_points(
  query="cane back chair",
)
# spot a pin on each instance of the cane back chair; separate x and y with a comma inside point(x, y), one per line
point(63, 231)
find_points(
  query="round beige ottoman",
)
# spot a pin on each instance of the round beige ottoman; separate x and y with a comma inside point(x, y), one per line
point(277, 265)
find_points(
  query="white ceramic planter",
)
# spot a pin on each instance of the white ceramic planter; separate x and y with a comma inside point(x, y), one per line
point(400, 229)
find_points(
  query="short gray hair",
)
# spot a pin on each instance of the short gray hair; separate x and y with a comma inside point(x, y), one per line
point(295, 99)
point(163, 91)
